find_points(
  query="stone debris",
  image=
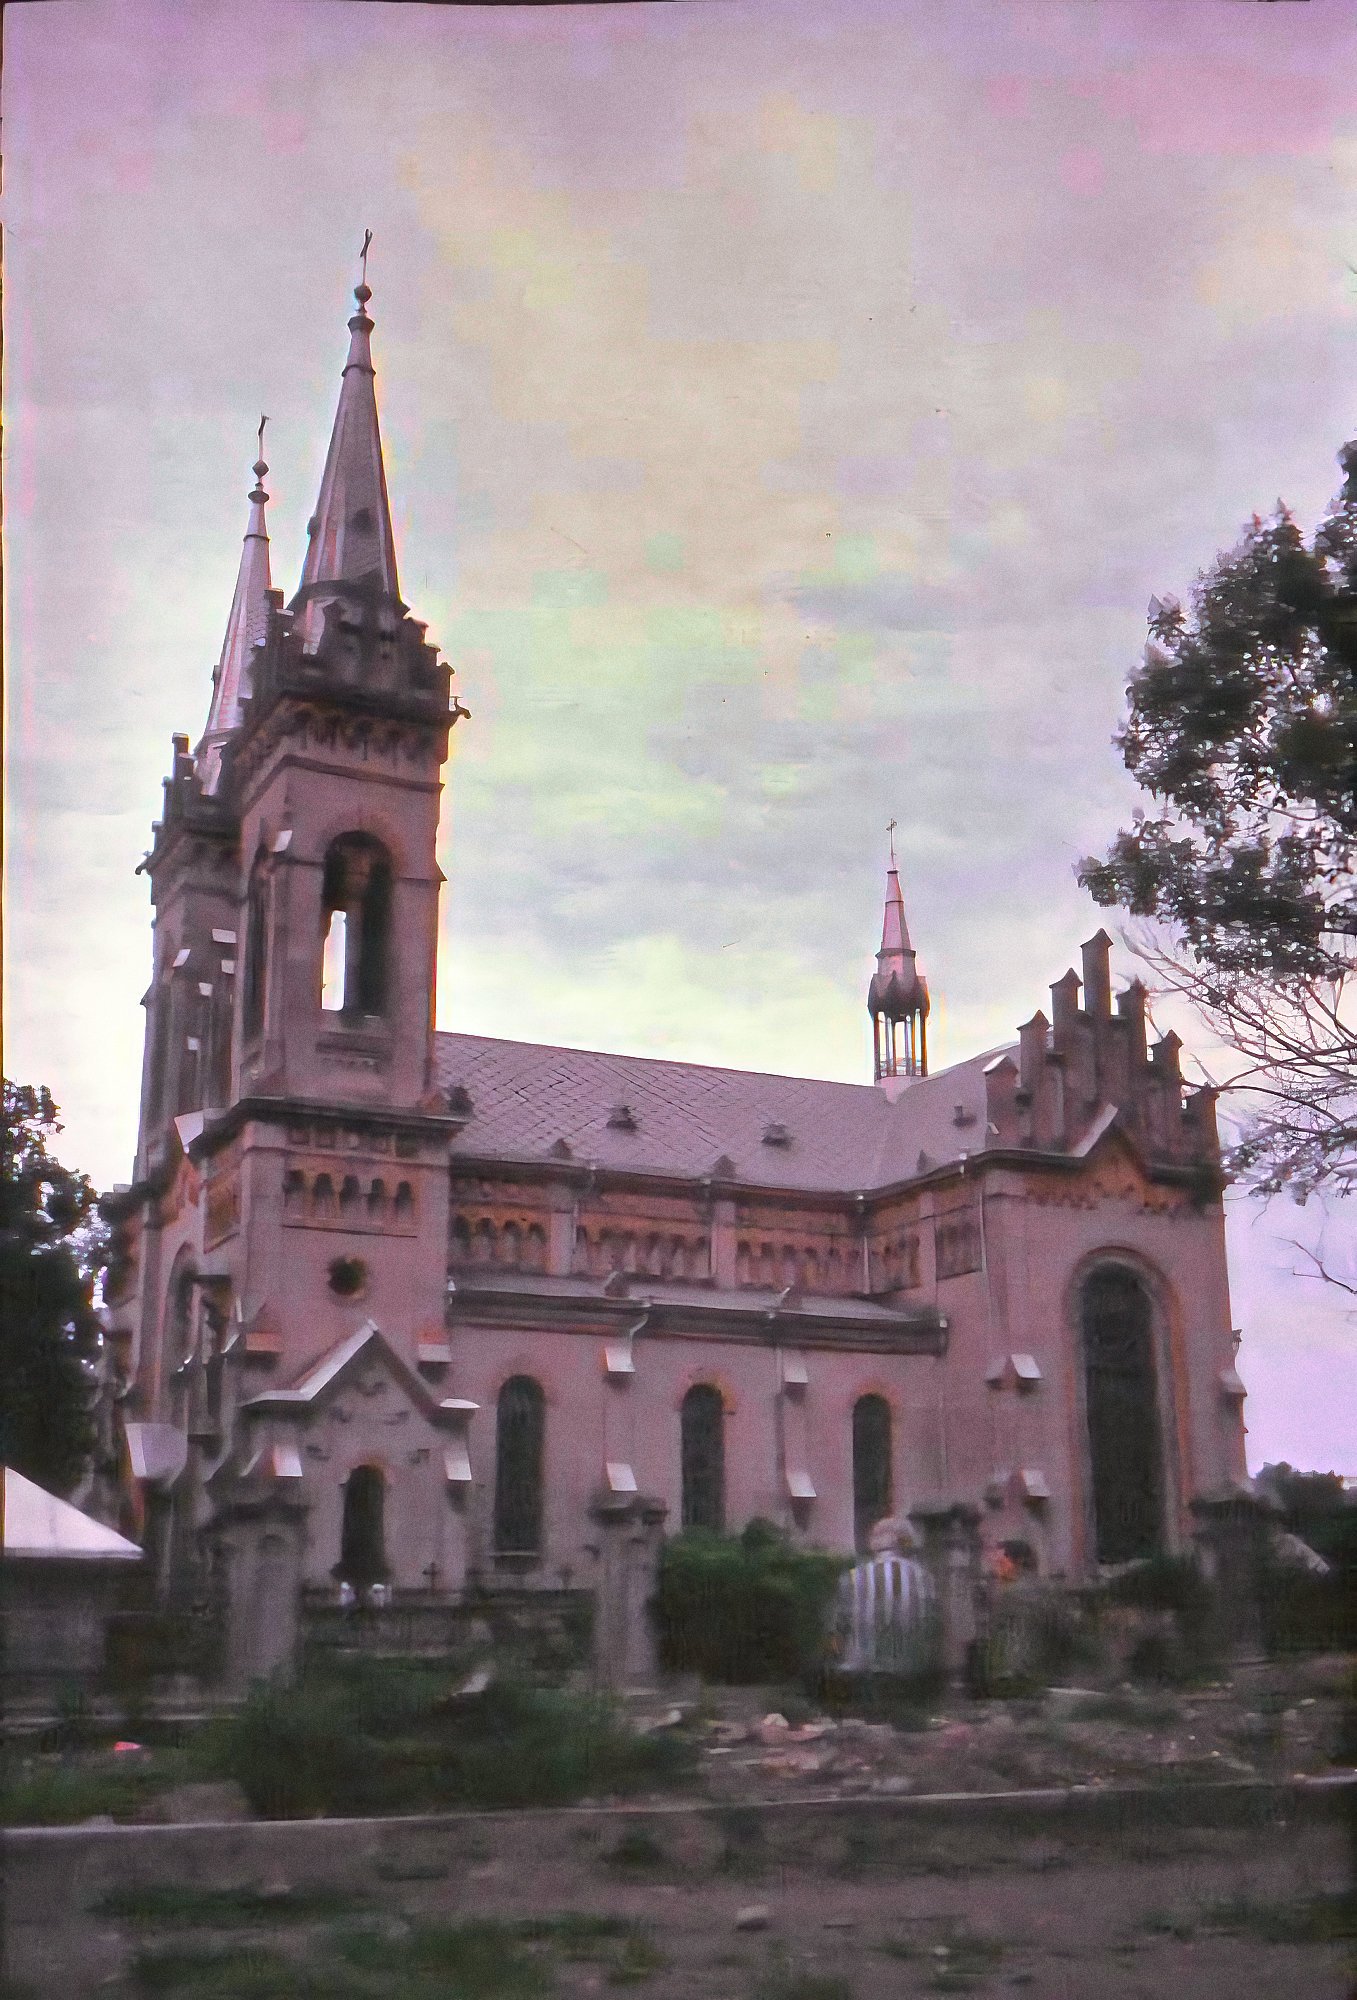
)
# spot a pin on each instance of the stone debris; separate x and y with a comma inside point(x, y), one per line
point(753, 1917)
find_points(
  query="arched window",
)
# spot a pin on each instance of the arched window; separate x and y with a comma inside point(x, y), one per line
point(519, 1430)
point(872, 1483)
point(1123, 1416)
point(703, 1449)
point(362, 1543)
point(256, 954)
point(355, 926)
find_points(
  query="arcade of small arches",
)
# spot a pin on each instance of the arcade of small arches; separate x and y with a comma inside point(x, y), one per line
point(771, 1264)
point(346, 1201)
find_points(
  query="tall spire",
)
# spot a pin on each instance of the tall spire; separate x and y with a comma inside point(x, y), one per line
point(244, 629)
point(897, 997)
point(350, 538)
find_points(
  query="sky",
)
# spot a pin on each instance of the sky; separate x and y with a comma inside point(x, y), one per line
point(789, 411)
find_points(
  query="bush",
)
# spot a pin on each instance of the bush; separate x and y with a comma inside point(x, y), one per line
point(1171, 1584)
point(744, 1608)
point(385, 1736)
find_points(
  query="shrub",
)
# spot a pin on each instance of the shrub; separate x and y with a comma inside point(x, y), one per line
point(1175, 1585)
point(382, 1736)
point(744, 1608)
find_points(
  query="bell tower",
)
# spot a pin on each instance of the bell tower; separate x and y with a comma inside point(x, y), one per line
point(291, 1183)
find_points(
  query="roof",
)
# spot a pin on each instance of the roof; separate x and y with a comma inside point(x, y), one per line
point(686, 1118)
point(37, 1524)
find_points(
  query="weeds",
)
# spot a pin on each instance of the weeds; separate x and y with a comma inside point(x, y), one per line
point(182, 1905)
point(1324, 1919)
point(364, 1738)
point(637, 1848)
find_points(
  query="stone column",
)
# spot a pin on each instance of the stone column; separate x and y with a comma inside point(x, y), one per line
point(1232, 1536)
point(951, 1549)
point(262, 1553)
point(631, 1532)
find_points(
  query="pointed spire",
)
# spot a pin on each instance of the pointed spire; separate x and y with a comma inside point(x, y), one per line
point(244, 629)
point(350, 537)
point(898, 994)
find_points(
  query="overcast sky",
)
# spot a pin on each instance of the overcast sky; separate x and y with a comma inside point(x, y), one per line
point(789, 411)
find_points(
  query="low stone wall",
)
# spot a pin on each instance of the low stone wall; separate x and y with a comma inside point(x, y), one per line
point(58, 1945)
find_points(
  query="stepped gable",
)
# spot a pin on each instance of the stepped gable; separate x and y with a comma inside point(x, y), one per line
point(683, 1117)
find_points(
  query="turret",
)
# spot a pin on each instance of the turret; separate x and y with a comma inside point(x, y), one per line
point(897, 998)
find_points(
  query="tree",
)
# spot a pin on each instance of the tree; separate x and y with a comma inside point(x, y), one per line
point(1242, 726)
point(51, 1249)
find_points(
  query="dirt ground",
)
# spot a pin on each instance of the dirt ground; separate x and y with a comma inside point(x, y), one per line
point(1195, 1916)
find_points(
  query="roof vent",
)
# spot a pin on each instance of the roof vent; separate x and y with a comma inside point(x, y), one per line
point(561, 1150)
point(723, 1169)
point(621, 1118)
point(459, 1101)
point(961, 1116)
point(776, 1135)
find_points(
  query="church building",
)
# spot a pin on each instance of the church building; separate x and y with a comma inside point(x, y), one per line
point(412, 1313)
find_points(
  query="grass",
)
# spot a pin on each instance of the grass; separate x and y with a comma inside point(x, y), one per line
point(62, 1788)
point(380, 1960)
point(782, 1980)
point(1324, 1919)
point(174, 1905)
point(960, 1959)
point(637, 1849)
point(385, 1737)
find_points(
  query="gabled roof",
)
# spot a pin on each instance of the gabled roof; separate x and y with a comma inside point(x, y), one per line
point(38, 1524)
point(526, 1099)
point(368, 1343)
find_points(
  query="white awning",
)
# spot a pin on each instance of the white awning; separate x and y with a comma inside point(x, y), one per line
point(621, 1478)
point(457, 1463)
point(37, 1523)
point(800, 1484)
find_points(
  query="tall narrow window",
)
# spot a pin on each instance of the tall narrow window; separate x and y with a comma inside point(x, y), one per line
point(703, 1453)
point(355, 926)
point(256, 954)
point(519, 1429)
point(362, 1536)
point(872, 1484)
point(1123, 1417)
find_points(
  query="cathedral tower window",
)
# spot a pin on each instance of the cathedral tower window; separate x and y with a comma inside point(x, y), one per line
point(256, 953)
point(872, 1483)
point(362, 1537)
point(703, 1454)
point(1123, 1417)
point(355, 926)
point(520, 1426)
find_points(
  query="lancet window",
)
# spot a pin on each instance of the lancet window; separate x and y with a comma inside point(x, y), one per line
point(355, 927)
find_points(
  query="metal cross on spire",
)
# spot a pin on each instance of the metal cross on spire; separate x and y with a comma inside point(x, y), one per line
point(364, 291)
point(890, 828)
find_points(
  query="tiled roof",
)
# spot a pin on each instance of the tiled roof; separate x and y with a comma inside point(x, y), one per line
point(684, 1118)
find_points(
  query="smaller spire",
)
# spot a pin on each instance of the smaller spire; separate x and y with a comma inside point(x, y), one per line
point(244, 629)
point(897, 998)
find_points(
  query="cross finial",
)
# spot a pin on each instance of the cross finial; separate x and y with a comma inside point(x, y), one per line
point(890, 828)
point(259, 468)
point(363, 292)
